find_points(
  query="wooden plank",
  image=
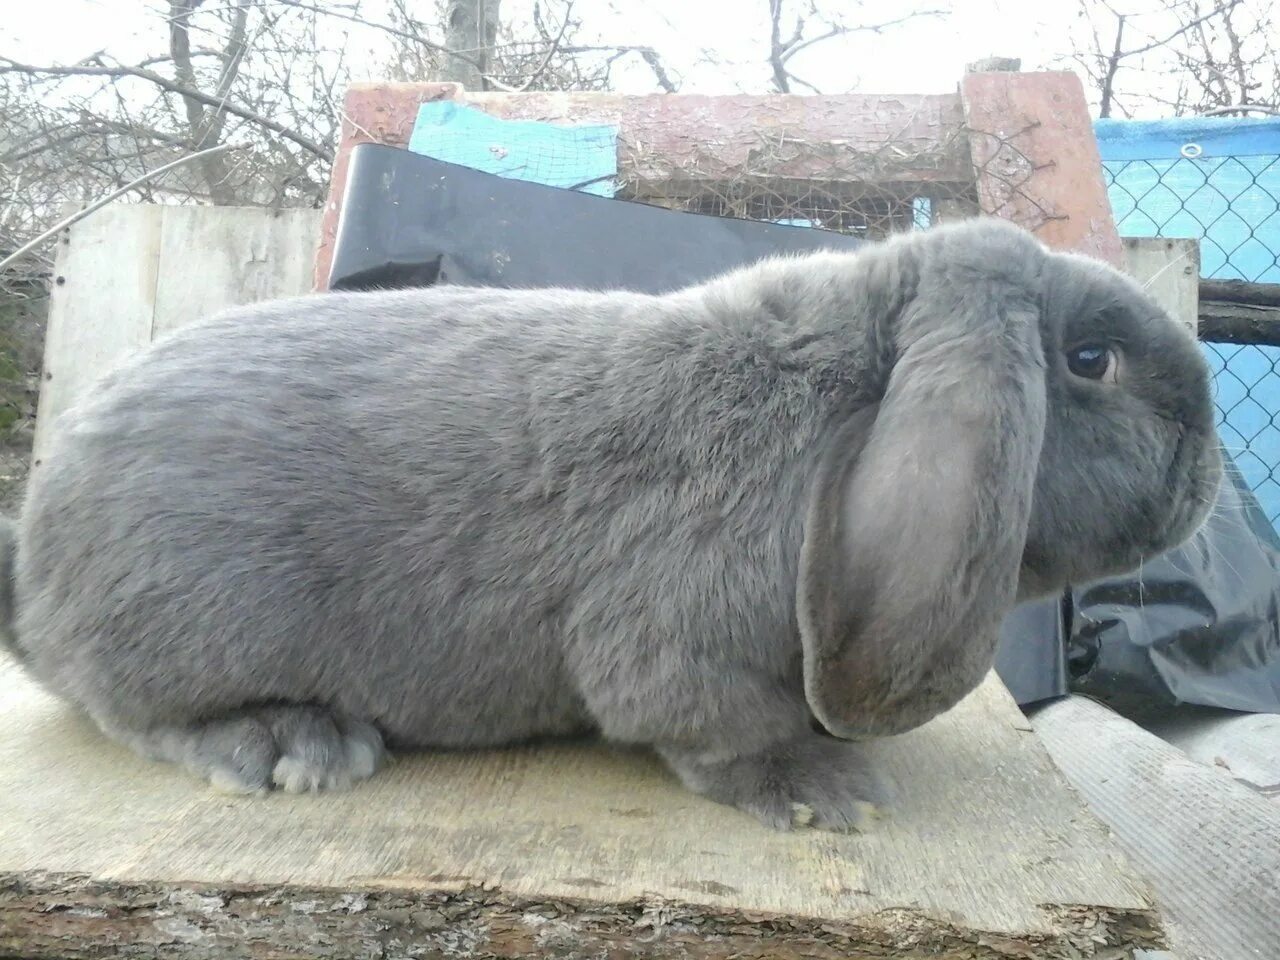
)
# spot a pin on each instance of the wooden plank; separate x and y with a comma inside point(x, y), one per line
point(867, 138)
point(1209, 844)
point(1169, 269)
point(1245, 745)
point(101, 308)
point(676, 140)
point(567, 848)
point(1036, 159)
point(212, 258)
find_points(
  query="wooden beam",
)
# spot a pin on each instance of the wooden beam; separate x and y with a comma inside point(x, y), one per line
point(1237, 311)
point(1241, 291)
point(1222, 321)
point(683, 143)
point(1036, 159)
point(566, 849)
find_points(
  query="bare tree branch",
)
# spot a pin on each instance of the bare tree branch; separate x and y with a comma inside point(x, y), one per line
point(1204, 62)
point(206, 125)
point(650, 56)
point(102, 202)
point(781, 79)
point(552, 48)
point(470, 26)
point(1263, 108)
point(780, 51)
point(845, 30)
point(365, 22)
point(1236, 57)
point(1113, 66)
point(120, 70)
point(1182, 29)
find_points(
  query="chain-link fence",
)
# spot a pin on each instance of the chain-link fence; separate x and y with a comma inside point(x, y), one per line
point(1231, 204)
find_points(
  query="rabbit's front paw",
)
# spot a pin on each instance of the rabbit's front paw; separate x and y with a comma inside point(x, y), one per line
point(294, 748)
point(813, 781)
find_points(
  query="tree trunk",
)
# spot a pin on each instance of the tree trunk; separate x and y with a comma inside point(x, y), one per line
point(471, 29)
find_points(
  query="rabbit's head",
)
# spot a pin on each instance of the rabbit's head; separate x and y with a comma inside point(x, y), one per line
point(1130, 463)
point(1044, 423)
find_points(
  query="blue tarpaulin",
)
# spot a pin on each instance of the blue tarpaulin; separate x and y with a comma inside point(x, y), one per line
point(574, 157)
point(1216, 179)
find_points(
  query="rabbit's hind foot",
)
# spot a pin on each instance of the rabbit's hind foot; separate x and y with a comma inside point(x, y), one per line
point(295, 748)
point(812, 781)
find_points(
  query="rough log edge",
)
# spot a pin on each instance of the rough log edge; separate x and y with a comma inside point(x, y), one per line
point(1241, 291)
point(68, 917)
point(1223, 321)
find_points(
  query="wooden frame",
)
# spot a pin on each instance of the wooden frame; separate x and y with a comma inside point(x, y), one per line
point(1023, 142)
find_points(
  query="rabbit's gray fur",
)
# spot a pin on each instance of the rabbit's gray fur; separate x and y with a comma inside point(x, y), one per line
point(695, 521)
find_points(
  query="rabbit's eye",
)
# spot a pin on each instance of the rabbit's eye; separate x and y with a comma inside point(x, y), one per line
point(1093, 361)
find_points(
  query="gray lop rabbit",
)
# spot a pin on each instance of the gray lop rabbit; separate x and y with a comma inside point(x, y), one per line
point(744, 523)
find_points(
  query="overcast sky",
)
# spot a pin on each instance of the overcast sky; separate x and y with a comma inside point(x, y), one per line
point(922, 56)
point(716, 46)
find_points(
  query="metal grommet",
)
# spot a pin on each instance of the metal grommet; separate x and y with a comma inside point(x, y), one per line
point(1191, 150)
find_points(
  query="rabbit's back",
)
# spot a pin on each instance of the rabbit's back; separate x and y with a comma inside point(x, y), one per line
point(289, 503)
point(455, 513)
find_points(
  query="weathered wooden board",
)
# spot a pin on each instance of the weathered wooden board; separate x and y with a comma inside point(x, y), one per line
point(1244, 745)
point(1209, 844)
point(133, 272)
point(1169, 269)
point(101, 307)
point(987, 854)
point(212, 258)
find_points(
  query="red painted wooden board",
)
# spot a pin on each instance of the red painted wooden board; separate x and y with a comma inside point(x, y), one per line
point(1037, 161)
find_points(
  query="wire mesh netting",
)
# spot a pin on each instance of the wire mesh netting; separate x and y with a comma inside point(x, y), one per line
point(859, 189)
point(1247, 393)
point(1232, 206)
point(791, 181)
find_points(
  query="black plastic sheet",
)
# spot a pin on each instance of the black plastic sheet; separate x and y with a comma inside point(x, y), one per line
point(409, 220)
point(1198, 625)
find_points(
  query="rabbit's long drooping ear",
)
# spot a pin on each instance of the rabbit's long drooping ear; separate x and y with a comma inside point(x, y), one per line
point(915, 533)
